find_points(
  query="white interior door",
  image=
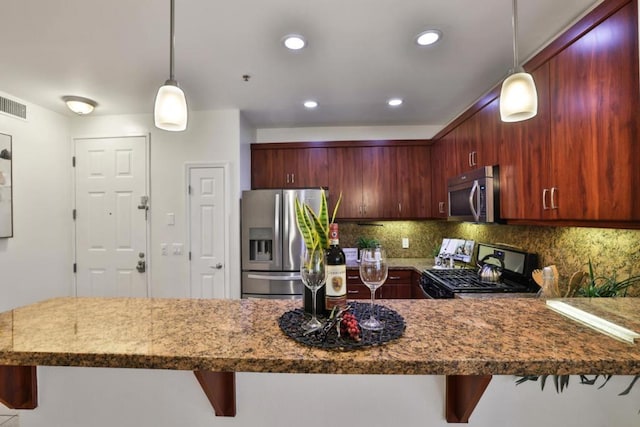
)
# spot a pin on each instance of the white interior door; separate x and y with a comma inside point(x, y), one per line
point(111, 229)
point(207, 232)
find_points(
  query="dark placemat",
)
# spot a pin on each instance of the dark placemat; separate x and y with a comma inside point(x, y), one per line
point(291, 321)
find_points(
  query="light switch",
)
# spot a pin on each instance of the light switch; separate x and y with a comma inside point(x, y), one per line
point(405, 243)
point(171, 218)
point(177, 248)
point(164, 249)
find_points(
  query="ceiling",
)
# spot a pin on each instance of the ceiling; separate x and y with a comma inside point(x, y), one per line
point(359, 54)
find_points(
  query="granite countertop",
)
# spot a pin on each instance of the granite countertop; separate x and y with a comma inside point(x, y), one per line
point(448, 337)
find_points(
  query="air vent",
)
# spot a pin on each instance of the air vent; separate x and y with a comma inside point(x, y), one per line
point(13, 108)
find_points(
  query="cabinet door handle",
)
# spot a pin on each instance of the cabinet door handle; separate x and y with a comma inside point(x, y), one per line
point(293, 178)
point(441, 207)
point(544, 199)
point(353, 277)
point(470, 158)
point(399, 207)
point(474, 158)
point(350, 291)
point(394, 277)
point(553, 198)
point(287, 178)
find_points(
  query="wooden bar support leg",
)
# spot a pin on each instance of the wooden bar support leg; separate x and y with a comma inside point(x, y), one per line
point(463, 394)
point(18, 387)
point(220, 388)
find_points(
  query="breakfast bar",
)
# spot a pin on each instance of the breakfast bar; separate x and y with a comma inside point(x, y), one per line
point(466, 340)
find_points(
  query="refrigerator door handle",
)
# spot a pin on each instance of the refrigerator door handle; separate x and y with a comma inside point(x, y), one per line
point(267, 277)
point(277, 247)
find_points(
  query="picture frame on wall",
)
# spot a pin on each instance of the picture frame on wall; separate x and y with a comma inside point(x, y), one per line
point(6, 186)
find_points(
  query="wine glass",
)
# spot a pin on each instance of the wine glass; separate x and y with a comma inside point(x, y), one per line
point(373, 272)
point(312, 270)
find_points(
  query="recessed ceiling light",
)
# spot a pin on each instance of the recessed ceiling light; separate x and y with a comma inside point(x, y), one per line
point(294, 41)
point(428, 37)
point(310, 104)
point(394, 102)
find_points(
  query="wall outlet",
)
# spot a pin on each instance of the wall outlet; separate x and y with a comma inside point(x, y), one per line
point(177, 248)
point(405, 243)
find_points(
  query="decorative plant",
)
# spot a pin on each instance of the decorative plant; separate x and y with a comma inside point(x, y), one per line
point(366, 243)
point(314, 227)
point(595, 286)
point(606, 286)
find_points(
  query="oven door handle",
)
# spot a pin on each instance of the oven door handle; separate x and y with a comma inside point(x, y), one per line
point(472, 195)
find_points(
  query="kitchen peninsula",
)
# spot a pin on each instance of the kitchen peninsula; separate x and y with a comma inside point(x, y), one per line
point(467, 340)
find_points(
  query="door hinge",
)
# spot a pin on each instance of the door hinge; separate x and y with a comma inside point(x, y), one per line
point(75, 267)
point(189, 189)
point(74, 214)
point(189, 255)
point(73, 161)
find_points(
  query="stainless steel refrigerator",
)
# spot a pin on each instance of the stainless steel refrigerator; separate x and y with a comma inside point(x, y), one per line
point(271, 243)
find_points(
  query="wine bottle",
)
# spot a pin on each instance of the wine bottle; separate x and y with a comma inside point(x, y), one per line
point(336, 285)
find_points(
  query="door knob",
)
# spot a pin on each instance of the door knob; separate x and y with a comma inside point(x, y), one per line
point(218, 266)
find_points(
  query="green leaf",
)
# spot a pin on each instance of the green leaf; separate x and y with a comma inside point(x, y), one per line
point(304, 225)
point(321, 232)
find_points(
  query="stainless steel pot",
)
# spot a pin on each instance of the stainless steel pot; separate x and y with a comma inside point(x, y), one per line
point(490, 272)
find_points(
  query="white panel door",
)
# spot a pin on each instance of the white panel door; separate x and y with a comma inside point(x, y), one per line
point(111, 230)
point(207, 229)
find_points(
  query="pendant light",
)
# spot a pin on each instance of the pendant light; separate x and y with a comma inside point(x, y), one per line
point(170, 112)
point(518, 97)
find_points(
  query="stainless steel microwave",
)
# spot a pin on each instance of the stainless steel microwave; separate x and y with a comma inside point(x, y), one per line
point(474, 196)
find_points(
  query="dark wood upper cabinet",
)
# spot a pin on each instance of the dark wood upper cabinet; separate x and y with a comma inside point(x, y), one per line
point(289, 168)
point(412, 183)
point(384, 180)
point(594, 107)
point(444, 165)
point(523, 151)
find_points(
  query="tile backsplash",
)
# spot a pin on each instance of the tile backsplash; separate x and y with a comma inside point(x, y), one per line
point(569, 248)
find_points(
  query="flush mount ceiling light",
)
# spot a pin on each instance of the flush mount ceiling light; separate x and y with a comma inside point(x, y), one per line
point(170, 111)
point(294, 41)
point(428, 37)
point(79, 104)
point(310, 104)
point(394, 102)
point(518, 97)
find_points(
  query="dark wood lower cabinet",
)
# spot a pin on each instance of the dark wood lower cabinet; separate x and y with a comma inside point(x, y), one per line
point(397, 286)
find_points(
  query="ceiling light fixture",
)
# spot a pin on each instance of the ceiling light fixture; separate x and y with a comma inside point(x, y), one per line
point(79, 104)
point(294, 42)
point(170, 111)
point(310, 104)
point(518, 97)
point(394, 102)
point(428, 37)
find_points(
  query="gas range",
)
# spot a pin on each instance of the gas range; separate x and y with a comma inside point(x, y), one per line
point(516, 268)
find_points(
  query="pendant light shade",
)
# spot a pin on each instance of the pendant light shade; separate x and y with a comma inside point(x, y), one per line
point(518, 97)
point(170, 110)
point(171, 107)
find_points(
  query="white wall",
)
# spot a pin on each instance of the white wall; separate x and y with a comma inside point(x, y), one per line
point(212, 136)
point(345, 133)
point(37, 262)
point(80, 397)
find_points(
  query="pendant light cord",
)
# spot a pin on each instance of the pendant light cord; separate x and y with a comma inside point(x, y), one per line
point(172, 42)
point(514, 25)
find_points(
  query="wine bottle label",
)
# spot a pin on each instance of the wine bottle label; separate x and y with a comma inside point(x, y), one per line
point(336, 286)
